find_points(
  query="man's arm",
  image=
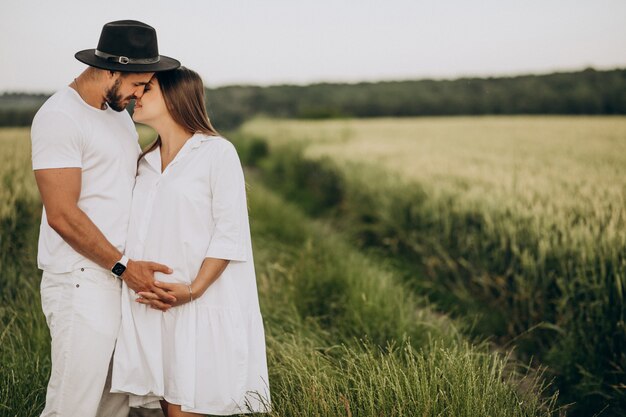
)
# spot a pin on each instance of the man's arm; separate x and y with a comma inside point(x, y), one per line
point(60, 191)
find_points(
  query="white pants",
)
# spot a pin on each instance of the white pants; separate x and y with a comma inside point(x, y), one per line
point(83, 312)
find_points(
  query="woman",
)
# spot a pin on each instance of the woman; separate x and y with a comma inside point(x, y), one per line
point(206, 354)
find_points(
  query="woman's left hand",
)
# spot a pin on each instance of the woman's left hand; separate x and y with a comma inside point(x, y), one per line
point(179, 291)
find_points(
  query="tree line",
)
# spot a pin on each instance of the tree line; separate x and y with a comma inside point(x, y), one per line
point(588, 92)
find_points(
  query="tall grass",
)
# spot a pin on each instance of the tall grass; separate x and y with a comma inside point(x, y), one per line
point(521, 219)
point(344, 336)
point(24, 344)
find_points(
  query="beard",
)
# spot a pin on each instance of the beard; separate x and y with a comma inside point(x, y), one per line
point(114, 99)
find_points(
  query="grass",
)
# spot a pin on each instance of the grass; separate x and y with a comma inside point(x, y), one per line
point(521, 220)
point(344, 335)
point(24, 344)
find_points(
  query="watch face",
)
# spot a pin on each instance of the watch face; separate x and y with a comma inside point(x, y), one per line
point(118, 269)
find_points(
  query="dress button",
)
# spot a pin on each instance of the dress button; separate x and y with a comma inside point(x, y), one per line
point(77, 285)
point(82, 269)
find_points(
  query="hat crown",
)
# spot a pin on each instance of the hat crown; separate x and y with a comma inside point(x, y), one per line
point(129, 38)
point(127, 46)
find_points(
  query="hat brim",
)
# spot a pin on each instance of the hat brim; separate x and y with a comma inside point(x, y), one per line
point(88, 56)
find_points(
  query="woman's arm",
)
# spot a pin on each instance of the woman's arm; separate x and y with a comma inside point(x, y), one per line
point(210, 271)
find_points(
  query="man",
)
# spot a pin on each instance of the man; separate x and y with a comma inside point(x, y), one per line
point(84, 154)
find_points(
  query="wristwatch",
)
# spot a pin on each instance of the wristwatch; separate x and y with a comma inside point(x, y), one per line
point(120, 266)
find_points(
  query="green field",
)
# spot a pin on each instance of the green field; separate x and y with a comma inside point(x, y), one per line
point(545, 167)
point(345, 334)
point(518, 223)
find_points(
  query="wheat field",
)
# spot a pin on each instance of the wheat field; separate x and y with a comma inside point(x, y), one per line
point(522, 218)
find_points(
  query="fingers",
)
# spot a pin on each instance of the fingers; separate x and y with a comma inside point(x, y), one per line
point(167, 286)
point(160, 268)
point(148, 295)
point(156, 304)
point(163, 295)
point(158, 294)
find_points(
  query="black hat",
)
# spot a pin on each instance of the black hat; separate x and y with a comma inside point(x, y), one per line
point(127, 46)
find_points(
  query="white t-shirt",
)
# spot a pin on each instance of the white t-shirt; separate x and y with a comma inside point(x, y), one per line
point(69, 133)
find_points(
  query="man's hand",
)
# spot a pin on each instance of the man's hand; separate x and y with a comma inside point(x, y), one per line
point(179, 291)
point(139, 276)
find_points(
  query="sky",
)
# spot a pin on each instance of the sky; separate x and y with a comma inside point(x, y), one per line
point(267, 42)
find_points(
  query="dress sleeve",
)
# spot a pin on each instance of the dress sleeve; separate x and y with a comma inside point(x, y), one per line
point(230, 212)
point(56, 142)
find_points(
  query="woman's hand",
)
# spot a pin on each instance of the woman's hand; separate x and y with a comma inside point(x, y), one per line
point(179, 291)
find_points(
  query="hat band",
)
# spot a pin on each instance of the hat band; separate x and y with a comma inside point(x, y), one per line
point(125, 60)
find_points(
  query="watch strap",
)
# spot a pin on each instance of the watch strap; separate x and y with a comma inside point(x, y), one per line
point(123, 260)
point(120, 266)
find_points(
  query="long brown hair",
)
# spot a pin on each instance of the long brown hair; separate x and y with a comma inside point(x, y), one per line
point(183, 93)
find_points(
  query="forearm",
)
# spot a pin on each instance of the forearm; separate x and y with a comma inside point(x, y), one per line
point(77, 229)
point(210, 271)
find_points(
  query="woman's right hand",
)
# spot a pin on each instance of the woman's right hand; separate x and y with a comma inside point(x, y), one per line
point(181, 292)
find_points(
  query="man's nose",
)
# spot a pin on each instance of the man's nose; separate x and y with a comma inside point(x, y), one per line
point(138, 92)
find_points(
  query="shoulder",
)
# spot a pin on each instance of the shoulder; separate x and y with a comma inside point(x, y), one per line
point(57, 112)
point(220, 156)
point(218, 146)
point(54, 121)
point(62, 100)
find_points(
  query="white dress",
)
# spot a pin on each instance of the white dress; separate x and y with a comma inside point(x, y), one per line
point(207, 355)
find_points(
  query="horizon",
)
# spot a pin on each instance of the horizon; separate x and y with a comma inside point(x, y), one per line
point(339, 82)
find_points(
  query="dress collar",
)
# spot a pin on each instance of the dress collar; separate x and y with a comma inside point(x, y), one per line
point(154, 158)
